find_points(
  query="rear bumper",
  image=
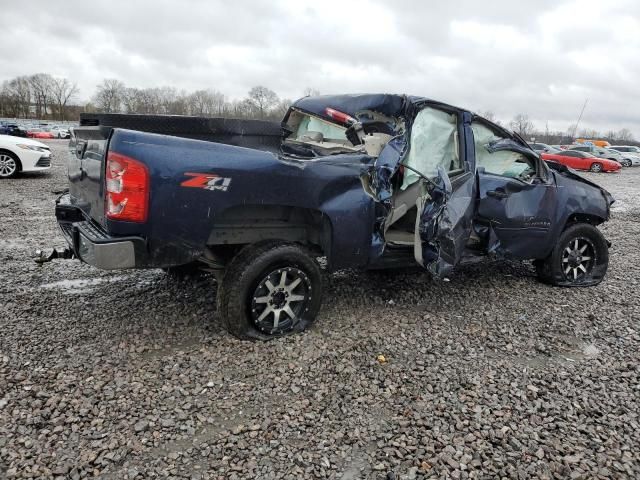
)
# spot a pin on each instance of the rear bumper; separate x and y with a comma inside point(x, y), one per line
point(91, 244)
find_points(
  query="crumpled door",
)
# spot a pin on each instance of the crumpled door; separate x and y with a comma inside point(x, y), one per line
point(444, 224)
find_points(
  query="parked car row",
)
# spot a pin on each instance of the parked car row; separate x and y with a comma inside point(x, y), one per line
point(33, 130)
point(588, 156)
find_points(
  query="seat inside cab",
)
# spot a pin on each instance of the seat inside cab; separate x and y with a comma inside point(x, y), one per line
point(433, 144)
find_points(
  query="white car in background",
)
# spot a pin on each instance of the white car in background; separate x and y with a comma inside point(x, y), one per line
point(19, 154)
point(60, 132)
point(628, 151)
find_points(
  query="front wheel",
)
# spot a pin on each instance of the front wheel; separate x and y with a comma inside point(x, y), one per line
point(270, 289)
point(596, 167)
point(579, 259)
point(9, 165)
point(626, 162)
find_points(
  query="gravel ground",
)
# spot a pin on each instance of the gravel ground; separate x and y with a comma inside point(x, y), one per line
point(491, 374)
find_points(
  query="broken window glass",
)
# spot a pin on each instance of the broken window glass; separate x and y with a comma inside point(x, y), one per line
point(507, 163)
point(314, 129)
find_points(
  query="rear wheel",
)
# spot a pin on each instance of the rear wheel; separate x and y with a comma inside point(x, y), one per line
point(596, 167)
point(9, 165)
point(580, 258)
point(626, 162)
point(270, 289)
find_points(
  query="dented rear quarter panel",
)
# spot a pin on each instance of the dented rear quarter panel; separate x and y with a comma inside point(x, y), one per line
point(182, 218)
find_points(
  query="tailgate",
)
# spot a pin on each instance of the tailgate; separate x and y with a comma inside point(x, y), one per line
point(88, 146)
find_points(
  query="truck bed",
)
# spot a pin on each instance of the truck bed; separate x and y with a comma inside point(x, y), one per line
point(258, 134)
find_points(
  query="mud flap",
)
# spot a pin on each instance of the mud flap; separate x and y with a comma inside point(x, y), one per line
point(445, 222)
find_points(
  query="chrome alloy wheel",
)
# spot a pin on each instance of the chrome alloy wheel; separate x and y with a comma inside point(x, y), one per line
point(8, 165)
point(280, 299)
point(578, 259)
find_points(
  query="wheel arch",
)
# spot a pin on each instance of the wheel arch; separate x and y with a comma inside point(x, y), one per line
point(15, 156)
point(580, 217)
point(249, 224)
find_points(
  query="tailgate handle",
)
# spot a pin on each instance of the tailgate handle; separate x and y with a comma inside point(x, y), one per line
point(497, 194)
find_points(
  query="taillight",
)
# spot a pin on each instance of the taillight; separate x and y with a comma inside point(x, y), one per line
point(340, 116)
point(127, 187)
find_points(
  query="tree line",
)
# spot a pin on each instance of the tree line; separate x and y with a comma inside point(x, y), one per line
point(39, 96)
point(522, 125)
point(43, 96)
point(113, 96)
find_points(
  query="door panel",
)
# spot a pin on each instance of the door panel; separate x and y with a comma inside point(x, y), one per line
point(520, 215)
point(576, 162)
point(445, 221)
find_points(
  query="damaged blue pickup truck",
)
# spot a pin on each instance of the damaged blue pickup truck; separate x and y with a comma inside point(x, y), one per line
point(367, 181)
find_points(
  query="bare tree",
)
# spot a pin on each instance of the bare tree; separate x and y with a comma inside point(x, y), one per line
point(589, 133)
point(311, 92)
point(110, 95)
point(262, 99)
point(522, 125)
point(131, 100)
point(279, 111)
point(199, 103)
point(19, 91)
point(624, 135)
point(63, 91)
point(206, 103)
point(489, 115)
point(10, 101)
point(610, 135)
point(42, 89)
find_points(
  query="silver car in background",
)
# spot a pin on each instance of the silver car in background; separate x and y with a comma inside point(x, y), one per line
point(632, 152)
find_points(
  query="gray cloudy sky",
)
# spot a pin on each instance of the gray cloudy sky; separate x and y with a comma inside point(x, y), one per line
point(542, 58)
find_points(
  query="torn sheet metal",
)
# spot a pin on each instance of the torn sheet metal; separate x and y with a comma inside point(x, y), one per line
point(446, 221)
point(359, 106)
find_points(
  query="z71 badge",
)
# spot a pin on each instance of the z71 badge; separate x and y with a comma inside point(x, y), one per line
point(208, 181)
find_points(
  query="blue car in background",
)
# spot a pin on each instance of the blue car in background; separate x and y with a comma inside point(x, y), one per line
point(13, 129)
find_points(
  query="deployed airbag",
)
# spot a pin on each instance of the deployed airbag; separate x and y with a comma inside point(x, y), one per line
point(432, 145)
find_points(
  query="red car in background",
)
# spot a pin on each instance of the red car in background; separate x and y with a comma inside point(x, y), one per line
point(39, 133)
point(582, 161)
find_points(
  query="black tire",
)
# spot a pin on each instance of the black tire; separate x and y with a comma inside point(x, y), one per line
point(562, 266)
point(243, 297)
point(626, 162)
point(10, 164)
point(596, 167)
